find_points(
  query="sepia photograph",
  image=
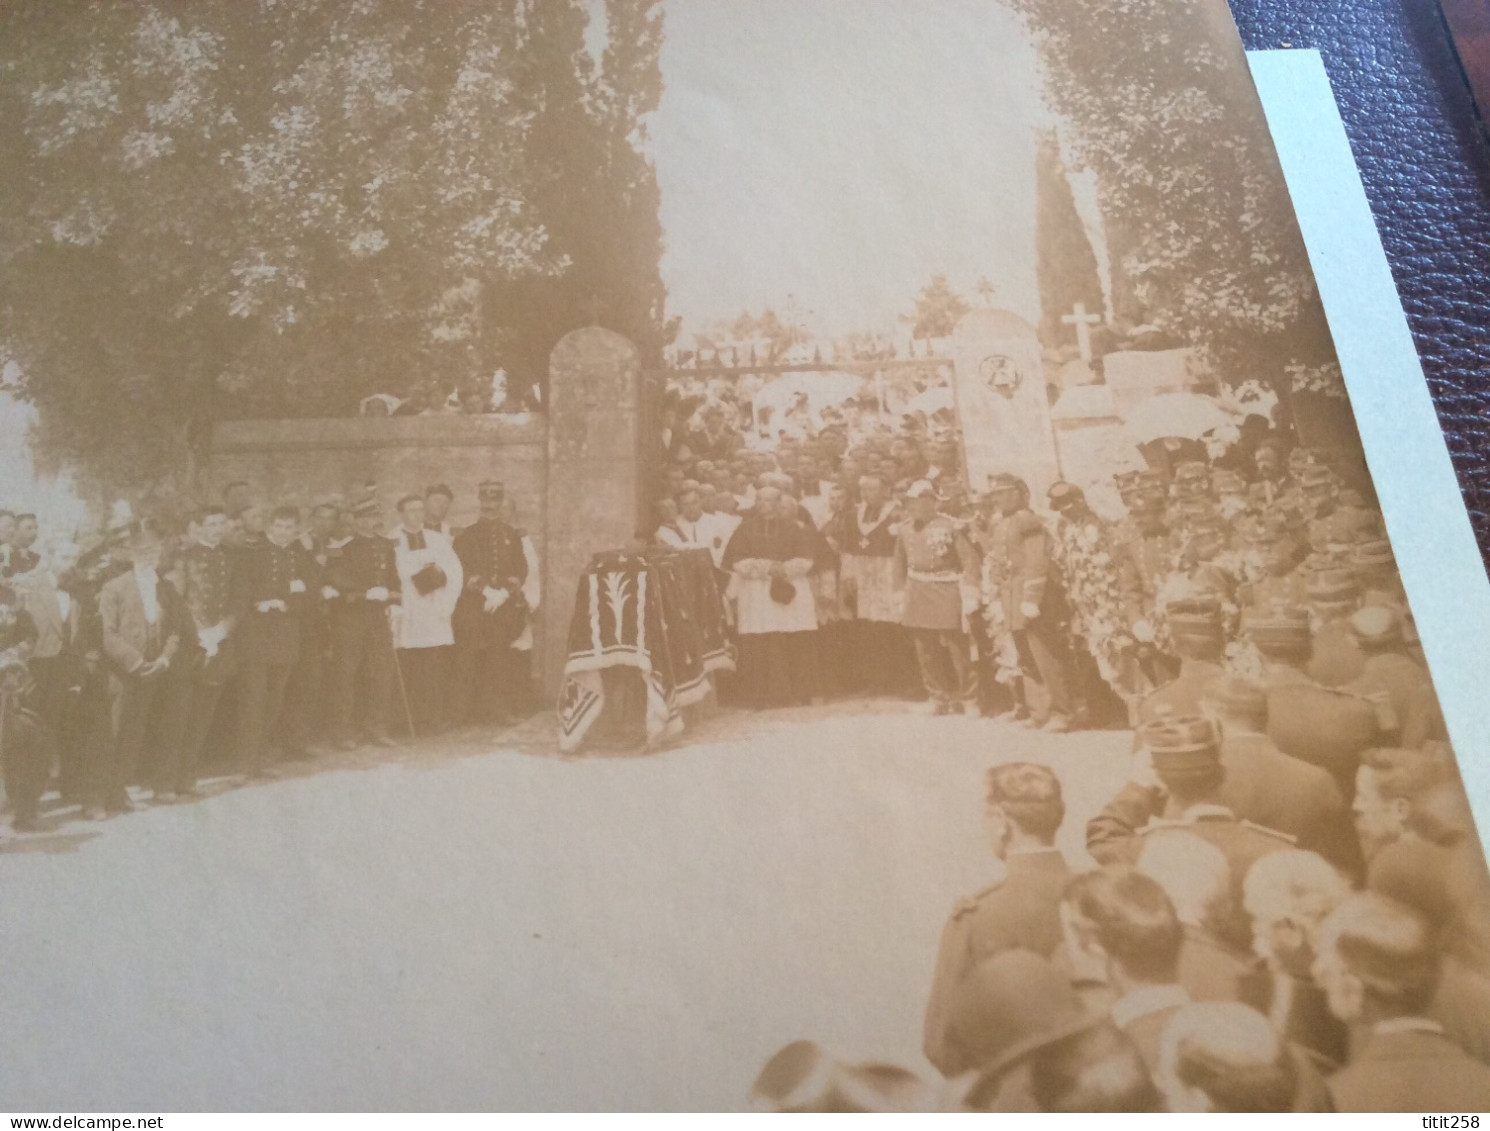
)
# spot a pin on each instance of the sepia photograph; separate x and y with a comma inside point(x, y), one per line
point(697, 555)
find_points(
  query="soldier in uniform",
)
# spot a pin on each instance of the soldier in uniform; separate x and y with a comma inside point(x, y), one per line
point(1275, 555)
point(1388, 671)
point(1184, 761)
point(1334, 525)
point(938, 568)
point(1335, 657)
point(362, 583)
point(212, 596)
point(1029, 603)
point(1323, 726)
point(275, 590)
point(1264, 785)
point(1198, 637)
point(1024, 811)
point(490, 614)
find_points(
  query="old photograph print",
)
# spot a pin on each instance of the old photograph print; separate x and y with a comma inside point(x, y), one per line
point(696, 555)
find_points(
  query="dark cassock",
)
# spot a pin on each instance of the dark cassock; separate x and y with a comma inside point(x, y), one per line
point(212, 596)
point(492, 612)
point(769, 558)
point(304, 719)
point(361, 583)
point(274, 590)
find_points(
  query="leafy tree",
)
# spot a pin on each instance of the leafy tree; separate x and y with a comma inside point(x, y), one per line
point(250, 207)
point(779, 333)
point(1202, 236)
point(594, 189)
point(938, 307)
point(1066, 264)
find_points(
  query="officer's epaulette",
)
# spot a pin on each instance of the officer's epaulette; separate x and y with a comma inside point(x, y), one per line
point(1157, 824)
point(1255, 827)
point(968, 904)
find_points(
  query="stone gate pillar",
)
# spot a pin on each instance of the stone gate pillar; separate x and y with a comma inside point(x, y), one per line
point(594, 420)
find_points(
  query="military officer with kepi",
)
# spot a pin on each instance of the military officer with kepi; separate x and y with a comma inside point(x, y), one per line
point(1181, 759)
point(936, 563)
point(490, 614)
point(362, 583)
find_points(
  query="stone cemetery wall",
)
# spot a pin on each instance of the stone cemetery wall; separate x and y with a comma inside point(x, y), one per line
point(301, 461)
point(573, 473)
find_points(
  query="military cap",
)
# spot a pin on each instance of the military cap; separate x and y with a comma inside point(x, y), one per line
point(439, 489)
point(1063, 495)
point(1376, 626)
point(1238, 695)
point(490, 490)
point(1179, 743)
point(1010, 1005)
point(367, 508)
point(1332, 584)
point(1194, 616)
point(1007, 481)
point(1374, 553)
point(1279, 626)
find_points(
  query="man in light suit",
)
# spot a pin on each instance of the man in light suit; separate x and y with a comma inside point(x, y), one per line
point(143, 621)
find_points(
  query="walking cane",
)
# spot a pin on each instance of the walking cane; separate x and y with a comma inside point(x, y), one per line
point(398, 674)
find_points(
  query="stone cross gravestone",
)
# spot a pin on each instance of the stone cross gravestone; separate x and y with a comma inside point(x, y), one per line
point(594, 470)
point(1002, 404)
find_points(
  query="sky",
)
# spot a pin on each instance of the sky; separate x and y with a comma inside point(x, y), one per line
point(839, 154)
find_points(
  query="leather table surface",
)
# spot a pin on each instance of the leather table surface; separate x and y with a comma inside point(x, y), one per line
point(1424, 159)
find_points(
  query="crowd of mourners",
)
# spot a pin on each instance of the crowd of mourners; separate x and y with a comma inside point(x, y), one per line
point(1285, 907)
point(137, 660)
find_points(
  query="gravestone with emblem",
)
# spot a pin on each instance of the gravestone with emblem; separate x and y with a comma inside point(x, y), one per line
point(1002, 402)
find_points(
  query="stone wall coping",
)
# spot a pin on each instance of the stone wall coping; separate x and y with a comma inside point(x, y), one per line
point(341, 433)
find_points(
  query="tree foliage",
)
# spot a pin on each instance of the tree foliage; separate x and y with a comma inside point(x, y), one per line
point(1157, 101)
point(266, 207)
point(938, 307)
